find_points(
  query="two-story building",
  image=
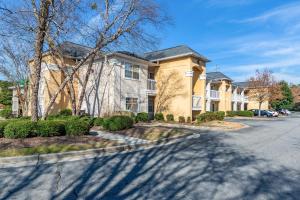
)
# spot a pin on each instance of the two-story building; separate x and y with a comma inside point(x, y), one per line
point(171, 81)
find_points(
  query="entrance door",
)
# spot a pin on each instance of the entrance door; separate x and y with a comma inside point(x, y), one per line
point(151, 107)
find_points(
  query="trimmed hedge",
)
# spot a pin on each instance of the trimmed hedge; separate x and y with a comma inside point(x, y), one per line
point(210, 116)
point(116, 123)
point(98, 121)
point(240, 113)
point(170, 117)
point(2, 126)
point(159, 117)
point(20, 129)
point(65, 112)
point(77, 127)
point(6, 112)
point(142, 117)
point(50, 128)
point(181, 119)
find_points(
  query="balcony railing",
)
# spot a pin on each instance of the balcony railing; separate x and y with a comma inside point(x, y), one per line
point(151, 85)
point(213, 94)
point(197, 102)
point(240, 98)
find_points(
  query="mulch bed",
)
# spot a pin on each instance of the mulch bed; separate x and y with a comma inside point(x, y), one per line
point(39, 141)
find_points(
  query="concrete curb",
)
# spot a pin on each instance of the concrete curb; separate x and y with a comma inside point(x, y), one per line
point(87, 154)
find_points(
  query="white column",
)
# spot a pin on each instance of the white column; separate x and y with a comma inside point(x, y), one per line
point(243, 100)
point(207, 93)
point(234, 99)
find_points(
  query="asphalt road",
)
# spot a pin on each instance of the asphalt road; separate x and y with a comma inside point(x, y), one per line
point(260, 162)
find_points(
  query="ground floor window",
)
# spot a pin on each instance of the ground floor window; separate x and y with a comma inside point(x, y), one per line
point(132, 104)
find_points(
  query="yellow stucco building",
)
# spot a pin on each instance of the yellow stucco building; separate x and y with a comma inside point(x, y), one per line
point(171, 81)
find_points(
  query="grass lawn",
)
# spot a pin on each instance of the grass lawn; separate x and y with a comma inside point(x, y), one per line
point(31, 146)
point(154, 133)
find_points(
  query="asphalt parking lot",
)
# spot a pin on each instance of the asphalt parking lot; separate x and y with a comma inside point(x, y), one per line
point(259, 162)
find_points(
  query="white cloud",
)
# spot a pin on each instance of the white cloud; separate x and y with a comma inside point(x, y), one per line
point(282, 13)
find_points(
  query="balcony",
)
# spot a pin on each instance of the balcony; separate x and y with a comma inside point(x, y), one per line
point(196, 103)
point(213, 94)
point(240, 98)
point(151, 86)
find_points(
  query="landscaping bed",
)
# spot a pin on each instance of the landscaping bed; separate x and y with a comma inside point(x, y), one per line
point(154, 133)
point(44, 145)
point(224, 125)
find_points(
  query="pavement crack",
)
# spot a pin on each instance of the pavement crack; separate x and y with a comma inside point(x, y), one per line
point(58, 175)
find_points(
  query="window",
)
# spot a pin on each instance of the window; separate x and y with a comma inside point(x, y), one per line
point(132, 104)
point(132, 71)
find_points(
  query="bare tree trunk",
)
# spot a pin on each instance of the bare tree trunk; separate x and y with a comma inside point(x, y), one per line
point(38, 51)
point(259, 110)
point(84, 85)
point(72, 96)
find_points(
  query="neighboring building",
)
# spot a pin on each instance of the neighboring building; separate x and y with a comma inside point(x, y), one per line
point(243, 98)
point(171, 81)
point(218, 92)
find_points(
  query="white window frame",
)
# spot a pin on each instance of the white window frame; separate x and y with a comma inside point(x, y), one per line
point(138, 104)
point(131, 64)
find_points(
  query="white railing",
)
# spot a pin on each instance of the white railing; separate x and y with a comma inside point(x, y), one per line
point(151, 84)
point(197, 102)
point(240, 98)
point(213, 94)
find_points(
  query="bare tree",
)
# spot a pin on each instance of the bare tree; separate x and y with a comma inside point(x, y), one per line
point(118, 22)
point(263, 87)
point(14, 67)
point(31, 22)
point(169, 86)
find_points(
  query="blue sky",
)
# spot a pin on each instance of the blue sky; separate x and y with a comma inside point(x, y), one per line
point(239, 36)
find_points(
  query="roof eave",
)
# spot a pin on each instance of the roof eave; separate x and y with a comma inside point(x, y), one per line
point(179, 56)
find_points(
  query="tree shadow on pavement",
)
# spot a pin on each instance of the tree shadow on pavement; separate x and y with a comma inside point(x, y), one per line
point(200, 168)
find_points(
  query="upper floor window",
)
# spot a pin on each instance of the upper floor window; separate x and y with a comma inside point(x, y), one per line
point(132, 71)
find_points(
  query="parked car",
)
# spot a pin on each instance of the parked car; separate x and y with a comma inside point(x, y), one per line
point(284, 111)
point(263, 113)
point(275, 113)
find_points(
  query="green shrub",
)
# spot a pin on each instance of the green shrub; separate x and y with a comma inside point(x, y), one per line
point(210, 116)
point(188, 120)
point(230, 113)
point(65, 112)
point(76, 127)
point(2, 126)
point(181, 119)
point(245, 113)
point(50, 128)
point(159, 117)
point(89, 120)
point(6, 112)
point(19, 129)
point(170, 117)
point(240, 113)
point(24, 118)
point(142, 117)
point(116, 123)
point(220, 115)
point(98, 121)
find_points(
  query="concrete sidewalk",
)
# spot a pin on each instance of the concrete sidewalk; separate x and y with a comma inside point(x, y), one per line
point(118, 137)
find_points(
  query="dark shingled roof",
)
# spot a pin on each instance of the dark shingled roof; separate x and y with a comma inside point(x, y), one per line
point(173, 52)
point(74, 50)
point(132, 55)
point(241, 84)
point(216, 76)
